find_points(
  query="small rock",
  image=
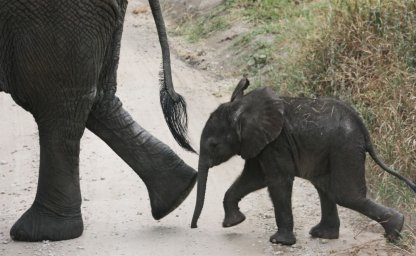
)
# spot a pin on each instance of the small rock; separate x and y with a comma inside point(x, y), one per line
point(201, 53)
point(323, 241)
point(80, 248)
point(296, 246)
point(102, 178)
point(251, 63)
point(2, 162)
point(260, 60)
point(140, 10)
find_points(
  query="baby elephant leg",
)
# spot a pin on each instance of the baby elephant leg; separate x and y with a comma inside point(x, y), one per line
point(281, 194)
point(251, 179)
point(328, 227)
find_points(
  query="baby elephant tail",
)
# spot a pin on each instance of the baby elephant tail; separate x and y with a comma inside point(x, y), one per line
point(371, 151)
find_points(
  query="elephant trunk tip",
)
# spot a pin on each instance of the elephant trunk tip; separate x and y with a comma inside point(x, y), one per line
point(200, 195)
point(195, 218)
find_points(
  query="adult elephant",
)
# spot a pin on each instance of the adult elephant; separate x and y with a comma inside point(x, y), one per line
point(58, 60)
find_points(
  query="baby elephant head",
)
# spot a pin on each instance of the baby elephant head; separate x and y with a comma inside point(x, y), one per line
point(243, 126)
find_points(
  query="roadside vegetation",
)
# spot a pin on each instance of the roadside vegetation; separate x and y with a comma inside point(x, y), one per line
point(361, 51)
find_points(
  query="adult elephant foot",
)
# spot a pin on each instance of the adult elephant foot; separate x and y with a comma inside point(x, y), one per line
point(326, 231)
point(39, 223)
point(169, 189)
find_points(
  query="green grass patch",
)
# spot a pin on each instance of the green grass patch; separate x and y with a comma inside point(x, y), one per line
point(204, 28)
point(201, 27)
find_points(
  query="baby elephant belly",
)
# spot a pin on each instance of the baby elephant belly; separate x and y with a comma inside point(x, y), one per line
point(316, 172)
point(2, 86)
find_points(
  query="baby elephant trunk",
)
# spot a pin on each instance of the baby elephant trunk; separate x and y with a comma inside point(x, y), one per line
point(200, 197)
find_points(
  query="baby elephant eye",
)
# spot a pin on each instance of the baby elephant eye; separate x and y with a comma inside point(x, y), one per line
point(212, 143)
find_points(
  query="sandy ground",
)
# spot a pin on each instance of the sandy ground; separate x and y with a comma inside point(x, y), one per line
point(115, 205)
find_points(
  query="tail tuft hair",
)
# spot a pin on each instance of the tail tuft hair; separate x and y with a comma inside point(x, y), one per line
point(174, 111)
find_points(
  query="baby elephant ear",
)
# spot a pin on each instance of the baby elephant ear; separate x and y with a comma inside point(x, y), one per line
point(259, 120)
point(239, 90)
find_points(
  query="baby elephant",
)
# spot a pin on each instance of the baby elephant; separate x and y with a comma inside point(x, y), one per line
point(322, 140)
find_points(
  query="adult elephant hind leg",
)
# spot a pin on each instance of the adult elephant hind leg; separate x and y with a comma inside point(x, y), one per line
point(168, 179)
point(391, 220)
point(328, 227)
point(251, 179)
point(56, 213)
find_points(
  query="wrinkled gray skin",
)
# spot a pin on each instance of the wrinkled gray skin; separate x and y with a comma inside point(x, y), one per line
point(322, 140)
point(58, 60)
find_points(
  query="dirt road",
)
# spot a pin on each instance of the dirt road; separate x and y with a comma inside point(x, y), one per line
point(115, 205)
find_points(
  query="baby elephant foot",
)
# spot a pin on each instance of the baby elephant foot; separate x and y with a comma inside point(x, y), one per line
point(283, 237)
point(233, 218)
point(393, 225)
point(325, 231)
point(39, 223)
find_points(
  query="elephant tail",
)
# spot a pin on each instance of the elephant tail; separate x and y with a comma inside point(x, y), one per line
point(174, 111)
point(173, 104)
point(373, 154)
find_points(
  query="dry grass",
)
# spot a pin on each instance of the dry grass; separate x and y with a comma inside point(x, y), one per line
point(367, 56)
